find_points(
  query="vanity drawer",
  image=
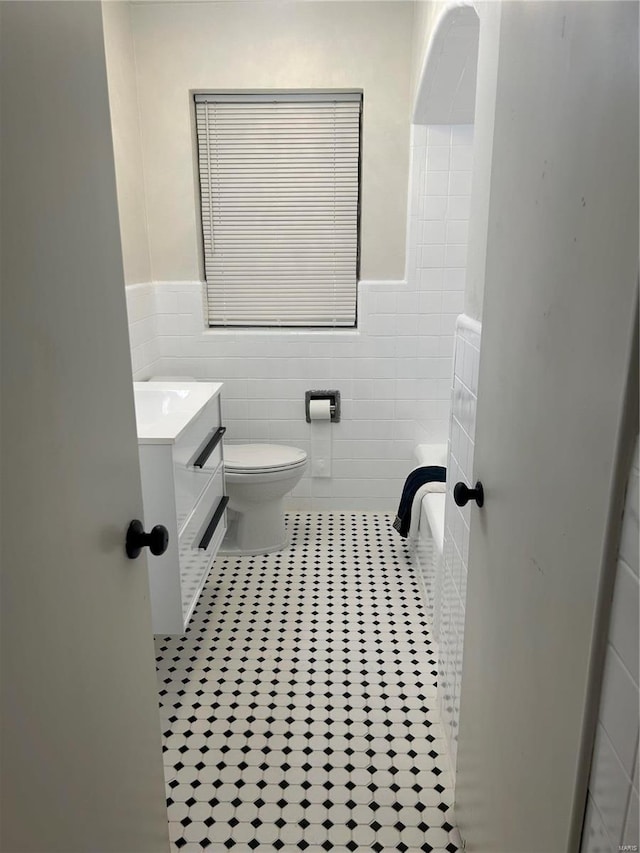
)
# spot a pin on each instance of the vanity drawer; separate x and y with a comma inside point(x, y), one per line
point(197, 454)
point(189, 484)
point(200, 540)
point(191, 446)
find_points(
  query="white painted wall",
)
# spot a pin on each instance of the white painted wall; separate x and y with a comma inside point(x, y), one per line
point(288, 45)
point(125, 129)
point(426, 13)
point(447, 88)
point(612, 806)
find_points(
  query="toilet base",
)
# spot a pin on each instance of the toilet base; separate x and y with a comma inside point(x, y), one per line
point(257, 530)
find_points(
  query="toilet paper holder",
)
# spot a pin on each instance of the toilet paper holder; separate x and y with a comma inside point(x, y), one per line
point(334, 403)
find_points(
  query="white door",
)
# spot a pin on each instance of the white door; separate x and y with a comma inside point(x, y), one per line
point(559, 309)
point(81, 745)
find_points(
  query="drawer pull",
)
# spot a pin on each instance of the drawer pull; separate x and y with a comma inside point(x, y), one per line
point(209, 447)
point(215, 520)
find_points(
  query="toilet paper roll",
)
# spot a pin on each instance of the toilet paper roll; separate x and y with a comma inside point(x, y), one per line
point(320, 414)
point(320, 410)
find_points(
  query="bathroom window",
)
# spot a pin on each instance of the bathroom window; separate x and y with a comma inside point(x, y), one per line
point(280, 202)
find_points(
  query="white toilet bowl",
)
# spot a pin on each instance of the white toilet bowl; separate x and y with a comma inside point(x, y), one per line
point(258, 476)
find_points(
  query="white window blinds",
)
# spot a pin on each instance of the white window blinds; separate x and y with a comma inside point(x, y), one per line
point(279, 188)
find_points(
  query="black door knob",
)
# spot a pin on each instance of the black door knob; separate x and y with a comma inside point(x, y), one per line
point(462, 494)
point(137, 539)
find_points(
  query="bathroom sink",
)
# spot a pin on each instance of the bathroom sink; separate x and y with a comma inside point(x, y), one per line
point(165, 409)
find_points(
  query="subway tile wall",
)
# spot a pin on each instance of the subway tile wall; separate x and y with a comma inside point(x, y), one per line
point(451, 585)
point(381, 370)
point(393, 372)
point(143, 338)
point(611, 820)
point(437, 227)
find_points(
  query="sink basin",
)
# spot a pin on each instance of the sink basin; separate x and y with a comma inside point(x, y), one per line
point(164, 409)
point(153, 404)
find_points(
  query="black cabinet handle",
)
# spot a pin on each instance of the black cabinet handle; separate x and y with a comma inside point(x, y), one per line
point(137, 539)
point(209, 447)
point(215, 520)
point(462, 494)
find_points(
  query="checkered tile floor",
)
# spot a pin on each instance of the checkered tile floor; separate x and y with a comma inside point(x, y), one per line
point(299, 709)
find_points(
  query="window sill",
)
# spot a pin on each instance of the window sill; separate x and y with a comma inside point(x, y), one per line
point(273, 332)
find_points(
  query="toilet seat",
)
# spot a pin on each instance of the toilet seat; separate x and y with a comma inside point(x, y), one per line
point(262, 458)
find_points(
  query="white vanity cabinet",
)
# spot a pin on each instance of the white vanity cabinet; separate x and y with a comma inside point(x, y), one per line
point(182, 470)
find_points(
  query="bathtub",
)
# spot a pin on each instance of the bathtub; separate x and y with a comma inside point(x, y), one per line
point(429, 543)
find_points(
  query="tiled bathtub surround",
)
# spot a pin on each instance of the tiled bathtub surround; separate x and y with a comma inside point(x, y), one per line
point(451, 589)
point(437, 226)
point(612, 806)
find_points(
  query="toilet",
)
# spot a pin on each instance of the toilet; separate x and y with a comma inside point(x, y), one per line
point(258, 476)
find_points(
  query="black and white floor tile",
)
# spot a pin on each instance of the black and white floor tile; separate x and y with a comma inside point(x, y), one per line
point(299, 709)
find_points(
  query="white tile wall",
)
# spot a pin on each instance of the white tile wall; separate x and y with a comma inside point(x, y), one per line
point(393, 372)
point(612, 810)
point(141, 311)
point(440, 191)
point(381, 370)
point(451, 588)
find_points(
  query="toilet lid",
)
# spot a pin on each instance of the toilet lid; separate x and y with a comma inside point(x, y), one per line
point(261, 457)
